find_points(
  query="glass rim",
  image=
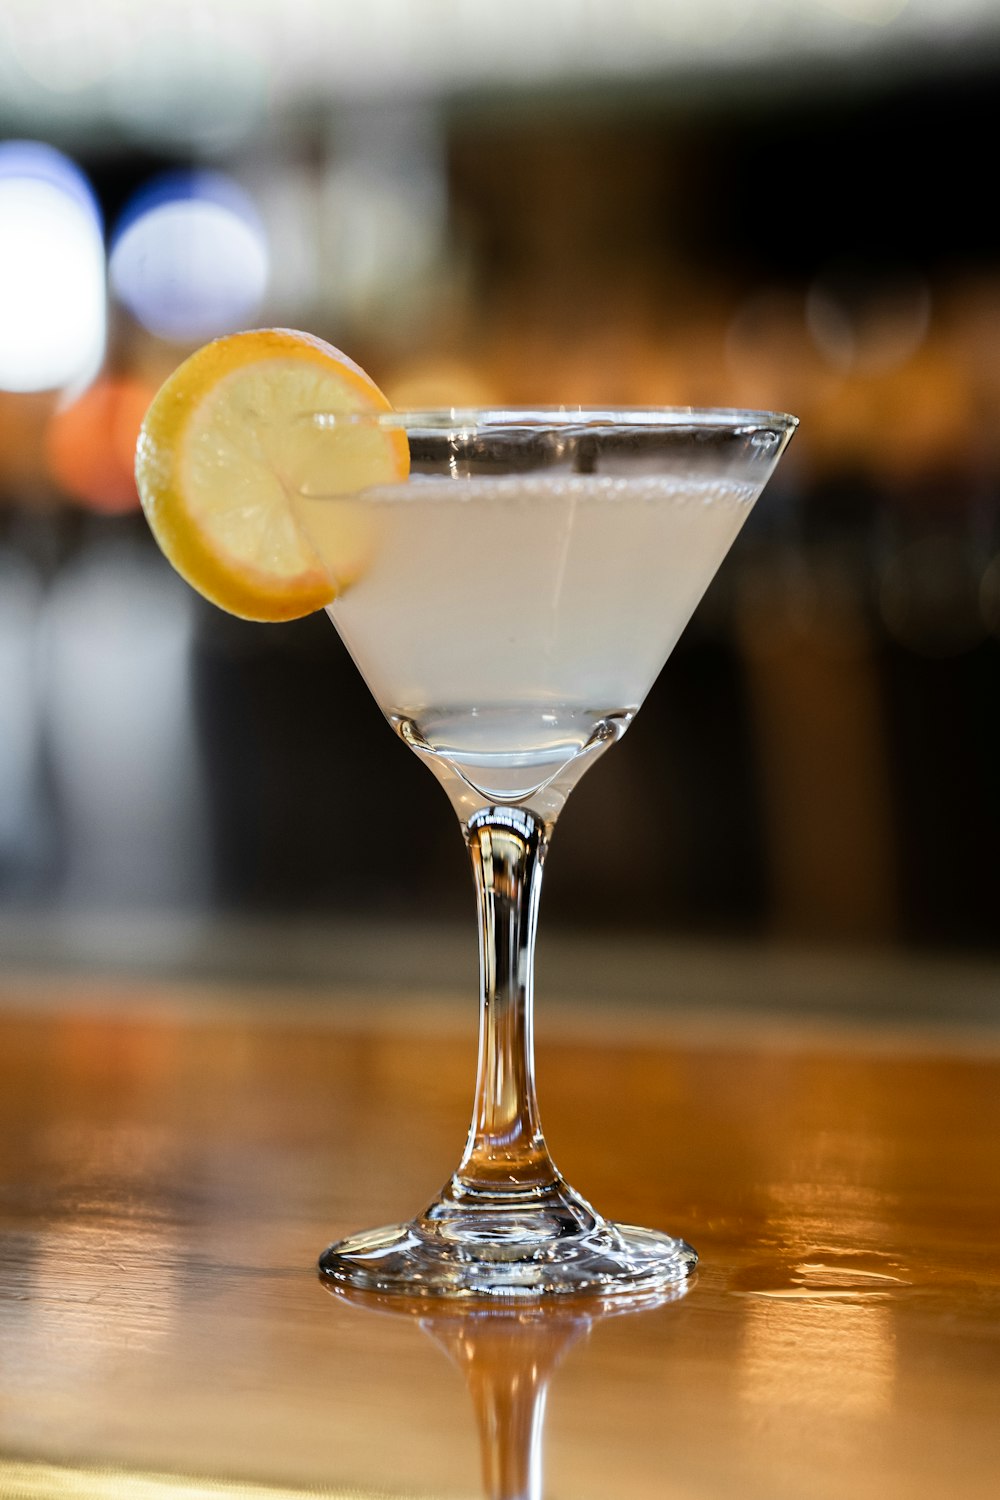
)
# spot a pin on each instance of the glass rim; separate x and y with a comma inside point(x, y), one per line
point(552, 418)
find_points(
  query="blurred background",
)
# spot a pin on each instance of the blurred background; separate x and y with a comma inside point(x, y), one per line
point(699, 202)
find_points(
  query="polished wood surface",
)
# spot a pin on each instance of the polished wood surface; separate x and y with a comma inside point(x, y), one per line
point(173, 1159)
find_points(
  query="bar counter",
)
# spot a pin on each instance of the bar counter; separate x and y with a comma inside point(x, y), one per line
point(174, 1155)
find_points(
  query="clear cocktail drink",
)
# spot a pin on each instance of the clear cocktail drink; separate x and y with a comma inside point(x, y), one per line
point(504, 622)
point(510, 583)
point(510, 603)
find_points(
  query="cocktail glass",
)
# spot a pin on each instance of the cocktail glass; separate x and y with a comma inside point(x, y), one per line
point(510, 604)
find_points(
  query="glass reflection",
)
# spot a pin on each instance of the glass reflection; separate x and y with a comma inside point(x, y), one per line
point(507, 1353)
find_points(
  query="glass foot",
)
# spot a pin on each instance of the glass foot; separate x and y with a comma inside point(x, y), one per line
point(517, 1257)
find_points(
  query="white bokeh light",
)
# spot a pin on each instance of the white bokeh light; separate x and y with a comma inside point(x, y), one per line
point(52, 279)
point(190, 257)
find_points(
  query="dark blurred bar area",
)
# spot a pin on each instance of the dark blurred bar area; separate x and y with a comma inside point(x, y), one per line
point(568, 208)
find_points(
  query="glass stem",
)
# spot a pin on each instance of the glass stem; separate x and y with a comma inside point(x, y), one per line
point(506, 1157)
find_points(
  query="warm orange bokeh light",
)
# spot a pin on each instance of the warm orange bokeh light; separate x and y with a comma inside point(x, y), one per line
point(90, 444)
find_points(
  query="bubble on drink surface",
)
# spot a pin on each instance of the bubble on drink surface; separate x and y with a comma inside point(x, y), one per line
point(547, 488)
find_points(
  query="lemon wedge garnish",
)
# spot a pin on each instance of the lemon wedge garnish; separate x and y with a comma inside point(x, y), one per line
point(224, 452)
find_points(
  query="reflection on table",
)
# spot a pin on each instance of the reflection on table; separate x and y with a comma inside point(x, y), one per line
point(173, 1158)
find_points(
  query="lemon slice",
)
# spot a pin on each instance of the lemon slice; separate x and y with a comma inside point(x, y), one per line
point(225, 449)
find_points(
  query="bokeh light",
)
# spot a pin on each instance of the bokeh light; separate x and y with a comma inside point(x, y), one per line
point(90, 444)
point(865, 323)
point(190, 258)
point(52, 279)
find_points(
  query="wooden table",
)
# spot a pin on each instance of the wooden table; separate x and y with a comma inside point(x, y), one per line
point(173, 1158)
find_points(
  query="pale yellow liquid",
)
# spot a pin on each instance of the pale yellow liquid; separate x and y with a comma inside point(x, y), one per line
point(504, 618)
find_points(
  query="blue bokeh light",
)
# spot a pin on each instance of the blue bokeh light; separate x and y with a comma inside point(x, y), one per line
point(189, 257)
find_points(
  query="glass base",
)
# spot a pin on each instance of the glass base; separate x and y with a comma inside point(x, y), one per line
point(518, 1257)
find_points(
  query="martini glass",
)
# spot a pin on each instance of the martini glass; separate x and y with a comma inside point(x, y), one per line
point(510, 604)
